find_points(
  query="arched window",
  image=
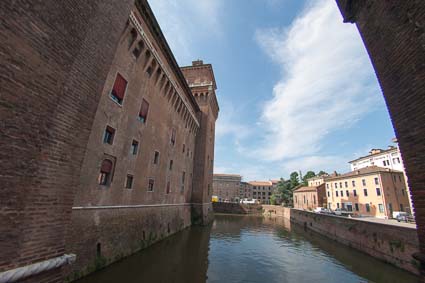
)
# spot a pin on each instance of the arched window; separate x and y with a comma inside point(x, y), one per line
point(132, 37)
point(105, 172)
point(138, 49)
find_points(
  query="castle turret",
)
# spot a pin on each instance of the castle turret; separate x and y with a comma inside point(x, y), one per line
point(200, 78)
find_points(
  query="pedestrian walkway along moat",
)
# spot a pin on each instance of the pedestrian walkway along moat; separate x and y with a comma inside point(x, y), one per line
point(249, 249)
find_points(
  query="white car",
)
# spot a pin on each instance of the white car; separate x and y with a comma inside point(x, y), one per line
point(321, 210)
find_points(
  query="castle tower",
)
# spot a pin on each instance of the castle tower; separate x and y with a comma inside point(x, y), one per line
point(200, 78)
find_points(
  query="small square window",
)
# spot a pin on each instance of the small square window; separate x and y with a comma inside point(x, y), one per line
point(354, 193)
point(365, 192)
point(151, 184)
point(156, 157)
point(353, 183)
point(376, 181)
point(347, 193)
point(364, 182)
point(378, 191)
point(129, 182)
point(108, 136)
point(134, 147)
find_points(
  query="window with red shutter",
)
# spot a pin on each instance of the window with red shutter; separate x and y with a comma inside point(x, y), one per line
point(144, 109)
point(118, 90)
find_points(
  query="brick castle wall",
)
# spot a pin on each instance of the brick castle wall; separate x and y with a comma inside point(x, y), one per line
point(102, 236)
point(54, 58)
point(393, 33)
point(236, 208)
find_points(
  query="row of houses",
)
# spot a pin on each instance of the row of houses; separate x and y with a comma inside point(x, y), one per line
point(230, 188)
point(376, 186)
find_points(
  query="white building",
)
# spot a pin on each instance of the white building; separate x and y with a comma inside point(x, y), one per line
point(387, 158)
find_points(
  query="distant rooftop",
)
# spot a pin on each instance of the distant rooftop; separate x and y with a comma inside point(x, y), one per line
point(365, 171)
point(226, 175)
point(306, 189)
point(375, 151)
point(260, 183)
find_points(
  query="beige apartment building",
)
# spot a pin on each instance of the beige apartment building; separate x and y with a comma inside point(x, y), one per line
point(226, 187)
point(370, 191)
point(387, 158)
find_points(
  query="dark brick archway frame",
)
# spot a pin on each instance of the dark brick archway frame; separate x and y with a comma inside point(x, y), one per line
point(55, 57)
point(393, 32)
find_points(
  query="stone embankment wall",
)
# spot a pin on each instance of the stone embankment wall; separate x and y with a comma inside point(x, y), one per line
point(390, 243)
point(237, 208)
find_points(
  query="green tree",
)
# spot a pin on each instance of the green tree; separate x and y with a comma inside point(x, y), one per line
point(321, 172)
point(308, 175)
point(294, 179)
point(273, 198)
point(285, 193)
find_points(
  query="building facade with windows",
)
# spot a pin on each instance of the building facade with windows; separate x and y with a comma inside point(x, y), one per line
point(386, 158)
point(226, 187)
point(245, 191)
point(148, 164)
point(261, 190)
point(371, 191)
point(309, 197)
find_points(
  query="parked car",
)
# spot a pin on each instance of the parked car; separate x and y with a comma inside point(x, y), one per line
point(342, 212)
point(322, 210)
point(404, 217)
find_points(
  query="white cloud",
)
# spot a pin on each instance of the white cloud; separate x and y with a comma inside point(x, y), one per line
point(183, 20)
point(327, 82)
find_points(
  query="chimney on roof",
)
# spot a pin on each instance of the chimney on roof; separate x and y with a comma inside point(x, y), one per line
point(197, 63)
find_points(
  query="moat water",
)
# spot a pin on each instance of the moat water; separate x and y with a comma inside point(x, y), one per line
point(249, 249)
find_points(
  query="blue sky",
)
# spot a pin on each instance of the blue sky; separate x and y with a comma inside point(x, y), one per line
point(296, 88)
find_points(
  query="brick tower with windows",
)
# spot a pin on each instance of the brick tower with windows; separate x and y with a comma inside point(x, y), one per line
point(200, 78)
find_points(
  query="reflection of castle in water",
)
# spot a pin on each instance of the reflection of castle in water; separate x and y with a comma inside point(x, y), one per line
point(182, 257)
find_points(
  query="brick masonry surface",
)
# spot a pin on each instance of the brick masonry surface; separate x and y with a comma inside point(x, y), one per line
point(236, 208)
point(394, 35)
point(54, 59)
point(102, 236)
point(389, 243)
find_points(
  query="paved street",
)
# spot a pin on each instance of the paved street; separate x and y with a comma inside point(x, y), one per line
point(388, 221)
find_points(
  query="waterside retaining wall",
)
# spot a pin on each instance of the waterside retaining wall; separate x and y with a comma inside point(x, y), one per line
point(390, 243)
point(237, 208)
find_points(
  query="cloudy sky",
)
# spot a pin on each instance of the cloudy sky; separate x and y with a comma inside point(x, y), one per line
point(296, 88)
